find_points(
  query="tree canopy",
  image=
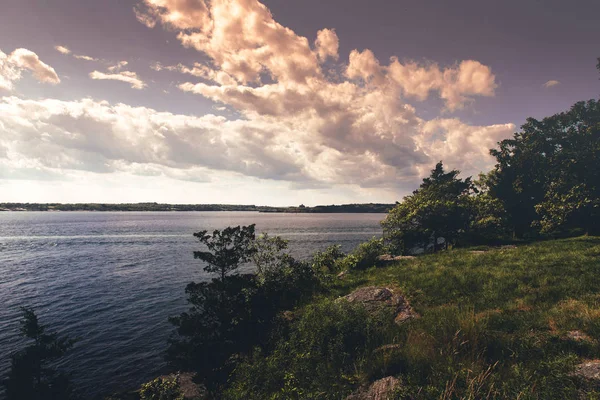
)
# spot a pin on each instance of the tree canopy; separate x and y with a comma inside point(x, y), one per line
point(547, 175)
point(439, 208)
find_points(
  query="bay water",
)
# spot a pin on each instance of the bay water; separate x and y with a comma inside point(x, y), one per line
point(112, 279)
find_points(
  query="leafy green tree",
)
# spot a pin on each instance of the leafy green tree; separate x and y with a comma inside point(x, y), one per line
point(439, 208)
point(269, 254)
point(547, 174)
point(31, 376)
point(227, 249)
point(488, 218)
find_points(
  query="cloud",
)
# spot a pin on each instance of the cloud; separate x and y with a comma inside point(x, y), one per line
point(123, 76)
point(351, 125)
point(9, 73)
point(197, 70)
point(96, 136)
point(245, 44)
point(144, 18)
point(241, 38)
point(12, 65)
point(84, 57)
point(462, 146)
point(117, 66)
point(62, 49)
point(551, 83)
point(354, 127)
point(327, 44)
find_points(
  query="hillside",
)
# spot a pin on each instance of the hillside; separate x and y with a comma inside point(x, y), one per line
point(500, 323)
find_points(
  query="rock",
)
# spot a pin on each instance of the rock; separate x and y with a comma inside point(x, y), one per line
point(589, 371)
point(189, 388)
point(288, 315)
point(388, 348)
point(383, 389)
point(388, 258)
point(376, 298)
point(342, 274)
point(579, 336)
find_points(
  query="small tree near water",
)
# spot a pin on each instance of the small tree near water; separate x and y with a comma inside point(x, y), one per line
point(439, 208)
point(31, 376)
point(227, 249)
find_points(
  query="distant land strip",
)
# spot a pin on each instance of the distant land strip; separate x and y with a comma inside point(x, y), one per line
point(342, 208)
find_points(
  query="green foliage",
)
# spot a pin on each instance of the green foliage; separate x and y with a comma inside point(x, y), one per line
point(268, 254)
point(489, 221)
point(231, 315)
point(322, 358)
point(161, 389)
point(31, 375)
point(438, 209)
point(227, 249)
point(364, 256)
point(492, 326)
point(547, 174)
point(326, 261)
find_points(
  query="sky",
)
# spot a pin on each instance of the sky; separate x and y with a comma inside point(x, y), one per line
point(277, 102)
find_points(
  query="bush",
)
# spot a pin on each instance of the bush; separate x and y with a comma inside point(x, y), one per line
point(365, 255)
point(326, 262)
point(322, 358)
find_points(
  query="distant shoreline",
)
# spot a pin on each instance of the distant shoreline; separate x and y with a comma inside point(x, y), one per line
point(136, 207)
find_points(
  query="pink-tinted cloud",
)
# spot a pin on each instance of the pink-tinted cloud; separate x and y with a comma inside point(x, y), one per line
point(327, 44)
point(11, 68)
point(123, 76)
point(62, 49)
point(355, 129)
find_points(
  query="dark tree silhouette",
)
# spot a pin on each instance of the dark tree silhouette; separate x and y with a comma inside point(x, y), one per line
point(31, 376)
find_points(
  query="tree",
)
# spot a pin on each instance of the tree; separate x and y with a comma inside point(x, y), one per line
point(438, 209)
point(268, 254)
point(233, 313)
point(31, 377)
point(227, 249)
point(547, 175)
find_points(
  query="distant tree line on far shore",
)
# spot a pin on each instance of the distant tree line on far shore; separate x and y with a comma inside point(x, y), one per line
point(342, 208)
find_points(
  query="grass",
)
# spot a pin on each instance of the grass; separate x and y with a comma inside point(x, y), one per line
point(494, 324)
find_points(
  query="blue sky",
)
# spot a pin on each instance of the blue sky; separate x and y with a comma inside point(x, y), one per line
point(279, 102)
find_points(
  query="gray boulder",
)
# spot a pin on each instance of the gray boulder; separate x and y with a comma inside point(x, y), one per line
point(377, 298)
point(588, 371)
point(383, 389)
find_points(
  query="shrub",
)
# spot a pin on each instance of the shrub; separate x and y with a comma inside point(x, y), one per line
point(322, 358)
point(365, 255)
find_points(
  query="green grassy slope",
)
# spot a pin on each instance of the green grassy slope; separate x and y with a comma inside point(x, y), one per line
point(494, 324)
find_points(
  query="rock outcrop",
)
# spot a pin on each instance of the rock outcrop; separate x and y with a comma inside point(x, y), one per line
point(376, 298)
point(588, 371)
point(389, 259)
point(382, 389)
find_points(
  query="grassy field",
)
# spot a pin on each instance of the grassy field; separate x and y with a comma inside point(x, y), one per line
point(495, 324)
